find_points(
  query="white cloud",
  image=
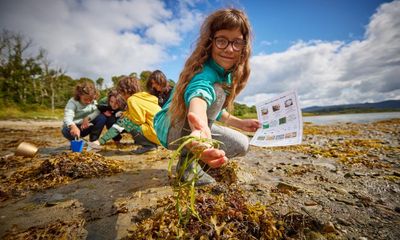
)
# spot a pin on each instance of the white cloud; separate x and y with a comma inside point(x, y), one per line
point(327, 73)
point(94, 38)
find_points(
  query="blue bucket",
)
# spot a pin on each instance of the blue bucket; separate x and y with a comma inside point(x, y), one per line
point(77, 145)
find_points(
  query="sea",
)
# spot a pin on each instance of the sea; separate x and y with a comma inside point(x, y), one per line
point(354, 118)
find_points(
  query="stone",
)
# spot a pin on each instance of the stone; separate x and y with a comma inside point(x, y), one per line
point(340, 190)
point(328, 228)
point(359, 174)
point(348, 175)
point(343, 222)
point(286, 186)
point(348, 202)
point(310, 203)
point(397, 209)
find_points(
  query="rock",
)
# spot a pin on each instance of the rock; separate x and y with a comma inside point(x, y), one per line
point(310, 203)
point(397, 174)
point(348, 202)
point(328, 228)
point(343, 222)
point(348, 175)
point(142, 214)
point(286, 186)
point(340, 190)
point(315, 236)
point(272, 169)
point(397, 209)
point(359, 174)
point(245, 177)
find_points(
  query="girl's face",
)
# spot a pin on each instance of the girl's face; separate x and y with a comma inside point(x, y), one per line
point(113, 103)
point(227, 47)
point(125, 95)
point(156, 86)
point(85, 99)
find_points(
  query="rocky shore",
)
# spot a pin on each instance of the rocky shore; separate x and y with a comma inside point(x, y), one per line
point(343, 182)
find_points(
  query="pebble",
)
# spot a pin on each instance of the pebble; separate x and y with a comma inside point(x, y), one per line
point(340, 190)
point(343, 222)
point(328, 228)
point(397, 209)
point(348, 202)
point(310, 203)
point(286, 186)
point(359, 174)
point(348, 175)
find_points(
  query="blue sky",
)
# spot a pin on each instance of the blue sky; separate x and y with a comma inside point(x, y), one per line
point(331, 52)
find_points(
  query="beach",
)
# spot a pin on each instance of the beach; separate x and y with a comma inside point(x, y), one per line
point(342, 182)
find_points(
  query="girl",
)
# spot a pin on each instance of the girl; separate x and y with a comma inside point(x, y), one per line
point(81, 116)
point(111, 107)
point(137, 119)
point(214, 74)
point(158, 85)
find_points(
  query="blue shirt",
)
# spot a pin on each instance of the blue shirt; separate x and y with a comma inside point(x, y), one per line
point(201, 85)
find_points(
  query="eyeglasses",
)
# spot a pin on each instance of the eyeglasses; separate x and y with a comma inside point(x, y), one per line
point(222, 43)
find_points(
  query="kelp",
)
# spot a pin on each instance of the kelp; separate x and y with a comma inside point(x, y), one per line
point(60, 169)
point(220, 211)
point(225, 215)
point(59, 229)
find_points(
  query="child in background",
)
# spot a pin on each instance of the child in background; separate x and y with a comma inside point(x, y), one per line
point(111, 107)
point(81, 116)
point(137, 119)
point(158, 85)
point(213, 75)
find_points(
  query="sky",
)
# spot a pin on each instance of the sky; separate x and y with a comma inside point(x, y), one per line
point(330, 51)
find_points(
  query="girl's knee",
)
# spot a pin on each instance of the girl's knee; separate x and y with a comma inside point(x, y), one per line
point(243, 146)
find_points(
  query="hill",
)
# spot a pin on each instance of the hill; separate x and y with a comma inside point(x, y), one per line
point(385, 106)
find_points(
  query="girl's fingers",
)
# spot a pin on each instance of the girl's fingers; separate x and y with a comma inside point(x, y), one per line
point(217, 162)
point(213, 157)
point(212, 153)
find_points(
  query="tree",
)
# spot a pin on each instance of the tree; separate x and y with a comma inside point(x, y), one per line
point(133, 74)
point(99, 83)
point(144, 75)
point(18, 69)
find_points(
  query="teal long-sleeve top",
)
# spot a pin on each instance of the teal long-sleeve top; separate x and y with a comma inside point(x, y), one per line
point(201, 85)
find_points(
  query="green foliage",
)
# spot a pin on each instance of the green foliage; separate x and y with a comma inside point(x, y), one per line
point(26, 78)
point(241, 110)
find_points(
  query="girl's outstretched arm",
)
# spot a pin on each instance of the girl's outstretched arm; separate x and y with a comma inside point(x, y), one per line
point(197, 118)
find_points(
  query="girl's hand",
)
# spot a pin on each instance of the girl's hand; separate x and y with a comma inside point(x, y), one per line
point(85, 123)
point(211, 156)
point(250, 125)
point(74, 130)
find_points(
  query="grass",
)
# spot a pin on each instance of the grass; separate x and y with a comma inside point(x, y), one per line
point(31, 112)
point(184, 189)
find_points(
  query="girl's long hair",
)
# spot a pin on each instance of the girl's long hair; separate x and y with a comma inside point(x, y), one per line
point(158, 77)
point(229, 19)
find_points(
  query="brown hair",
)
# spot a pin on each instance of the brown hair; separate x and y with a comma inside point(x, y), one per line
point(120, 99)
point(229, 19)
point(158, 77)
point(85, 88)
point(128, 85)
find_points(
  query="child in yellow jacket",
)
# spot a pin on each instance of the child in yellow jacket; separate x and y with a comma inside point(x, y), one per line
point(138, 118)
